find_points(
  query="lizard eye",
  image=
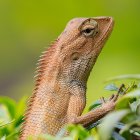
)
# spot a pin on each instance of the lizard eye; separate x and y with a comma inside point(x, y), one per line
point(89, 31)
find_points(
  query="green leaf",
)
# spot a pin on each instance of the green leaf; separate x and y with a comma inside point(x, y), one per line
point(124, 101)
point(61, 133)
point(117, 136)
point(93, 125)
point(21, 105)
point(138, 110)
point(122, 104)
point(119, 125)
point(109, 122)
point(95, 105)
point(130, 125)
point(77, 131)
point(10, 104)
point(4, 114)
point(111, 87)
point(133, 94)
point(128, 76)
point(13, 134)
point(3, 138)
point(134, 106)
point(4, 124)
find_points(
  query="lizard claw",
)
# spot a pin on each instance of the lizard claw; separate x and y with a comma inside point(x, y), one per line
point(102, 100)
point(115, 97)
point(112, 96)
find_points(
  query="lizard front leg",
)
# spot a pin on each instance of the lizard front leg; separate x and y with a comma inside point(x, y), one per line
point(77, 104)
point(96, 114)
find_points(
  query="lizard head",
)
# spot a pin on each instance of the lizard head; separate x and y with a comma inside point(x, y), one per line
point(81, 43)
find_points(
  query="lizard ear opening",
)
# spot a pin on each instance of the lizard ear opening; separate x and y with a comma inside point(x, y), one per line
point(75, 56)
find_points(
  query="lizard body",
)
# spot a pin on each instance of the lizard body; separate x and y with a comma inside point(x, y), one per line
point(60, 92)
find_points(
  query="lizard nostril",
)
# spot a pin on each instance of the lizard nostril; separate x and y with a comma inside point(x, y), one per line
point(97, 32)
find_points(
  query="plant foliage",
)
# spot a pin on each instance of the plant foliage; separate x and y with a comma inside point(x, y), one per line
point(121, 124)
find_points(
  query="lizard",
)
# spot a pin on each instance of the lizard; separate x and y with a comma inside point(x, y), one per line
point(59, 97)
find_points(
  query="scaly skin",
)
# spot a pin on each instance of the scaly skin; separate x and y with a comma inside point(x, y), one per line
point(60, 92)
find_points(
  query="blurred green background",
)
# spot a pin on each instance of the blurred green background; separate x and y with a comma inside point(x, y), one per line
point(28, 26)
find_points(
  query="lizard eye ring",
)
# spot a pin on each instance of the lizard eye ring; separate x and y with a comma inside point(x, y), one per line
point(89, 28)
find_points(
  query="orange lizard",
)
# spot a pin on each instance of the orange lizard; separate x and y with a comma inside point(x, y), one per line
point(60, 91)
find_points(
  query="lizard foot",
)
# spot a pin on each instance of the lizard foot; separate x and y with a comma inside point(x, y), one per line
point(109, 104)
